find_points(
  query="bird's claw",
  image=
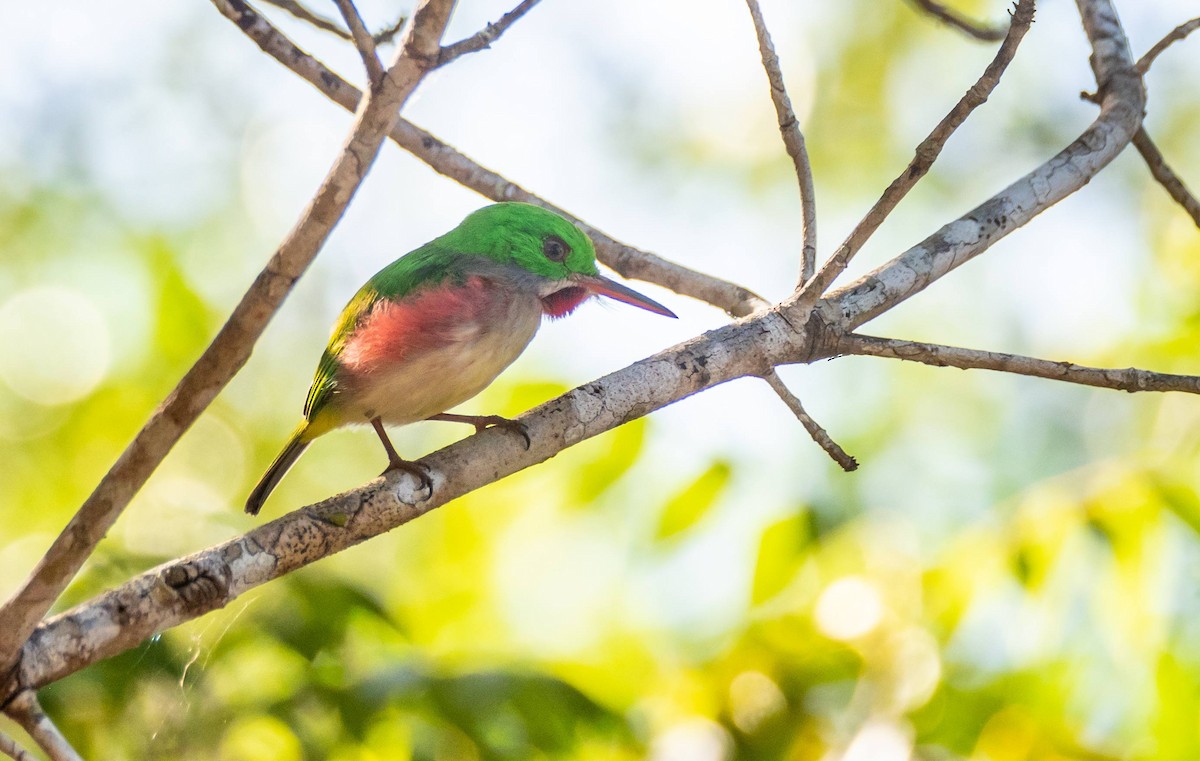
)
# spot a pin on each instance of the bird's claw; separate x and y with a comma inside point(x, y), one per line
point(416, 470)
point(484, 422)
point(515, 426)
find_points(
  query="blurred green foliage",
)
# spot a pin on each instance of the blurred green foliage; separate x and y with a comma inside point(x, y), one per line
point(1011, 576)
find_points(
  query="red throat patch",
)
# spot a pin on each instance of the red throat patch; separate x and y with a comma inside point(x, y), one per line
point(562, 303)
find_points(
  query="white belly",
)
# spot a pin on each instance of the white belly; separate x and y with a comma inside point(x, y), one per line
point(434, 380)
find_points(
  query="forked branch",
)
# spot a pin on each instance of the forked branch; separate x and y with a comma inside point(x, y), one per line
point(926, 153)
point(231, 347)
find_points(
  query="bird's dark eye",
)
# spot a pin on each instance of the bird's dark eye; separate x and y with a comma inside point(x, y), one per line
point(555, 248)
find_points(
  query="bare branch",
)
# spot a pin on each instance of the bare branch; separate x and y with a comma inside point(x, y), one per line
point(26, 711)
point(486, 36)
point(13, 749)
point(233, 344)
point(630, 262)
point(1166, 176)
point(926, 153)
point(307, 16)
point(327, 25)
point(976, 29)
point(818, 434)
point(977, 230)
point(1175, 35)
point(187, 588)
point(1128, 379)
point(362, 40)
point(793, 141)
point(389, 33)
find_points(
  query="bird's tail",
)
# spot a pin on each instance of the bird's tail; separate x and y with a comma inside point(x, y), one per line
point(291, 452)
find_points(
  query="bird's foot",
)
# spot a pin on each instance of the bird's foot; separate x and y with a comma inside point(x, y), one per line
point(482, 422)
point(415, 469)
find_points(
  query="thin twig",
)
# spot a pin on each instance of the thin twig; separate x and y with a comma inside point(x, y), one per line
point(976, 29)
point(387, 34)
point(231, 347)
point(327, 25)
point(26, 711)
point(793, 141)
point(926, 153)
point(362, 40)
point(307, 16)
point(818, 434)
point(486, 36)
point(1166, 176)
point(1129, 379)
point(1146, 147)
point(13, 749)
point(630, 262)
point(1175, 35)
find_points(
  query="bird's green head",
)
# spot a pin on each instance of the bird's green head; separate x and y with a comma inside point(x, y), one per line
point(529, 236)
point(547, 246)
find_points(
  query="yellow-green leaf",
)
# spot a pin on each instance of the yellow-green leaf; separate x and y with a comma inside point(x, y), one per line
point(780, 552)
point(687, 507)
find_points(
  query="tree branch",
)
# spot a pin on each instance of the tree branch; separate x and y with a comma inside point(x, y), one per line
point(362, 40)
point(12, 749)
point(1175, 35)
point(926, 153)
point(1128, 379)
point(1146, 147)
point(486, 36)
point(187, 588)
point(1165, 175)
point(307, 16)
point(818, 434)
point(977, 230)
point(326, 25)
point(26, 711)
point(233, 344)
point(183, 589)
point(628, 261)
point(976, 29)
point(793, 141)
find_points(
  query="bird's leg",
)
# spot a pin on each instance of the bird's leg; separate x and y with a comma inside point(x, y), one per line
point(396, 462)
point(486, 421)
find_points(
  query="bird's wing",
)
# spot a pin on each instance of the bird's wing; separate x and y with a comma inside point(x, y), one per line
point(426, 265)
point(324, 382)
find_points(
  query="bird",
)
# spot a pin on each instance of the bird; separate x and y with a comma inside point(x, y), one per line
point(436, 326)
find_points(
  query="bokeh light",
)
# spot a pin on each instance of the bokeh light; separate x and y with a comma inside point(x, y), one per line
point(849, 608)
point(56, 345)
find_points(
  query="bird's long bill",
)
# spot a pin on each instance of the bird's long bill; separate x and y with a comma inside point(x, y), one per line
point(602, 286)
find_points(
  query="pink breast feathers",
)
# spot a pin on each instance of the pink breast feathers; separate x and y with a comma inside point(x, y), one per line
point(431, 318)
